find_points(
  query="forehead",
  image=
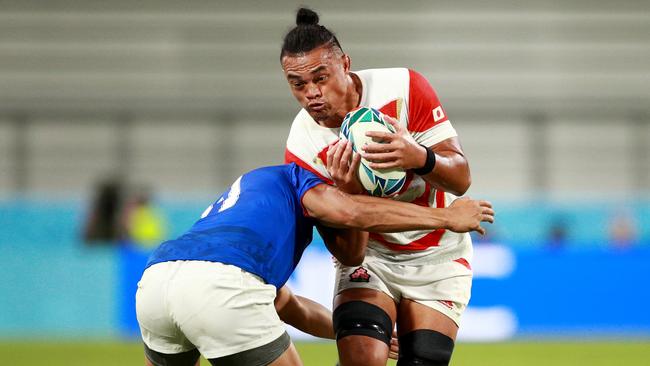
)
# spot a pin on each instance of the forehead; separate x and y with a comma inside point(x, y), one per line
point(307, 62)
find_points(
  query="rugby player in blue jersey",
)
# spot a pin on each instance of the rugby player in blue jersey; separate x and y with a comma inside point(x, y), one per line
point(212, 290)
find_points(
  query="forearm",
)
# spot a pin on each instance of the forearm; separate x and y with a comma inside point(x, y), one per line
point(348, 246)
point(337, 209)
point(450, 173)
point(304, 314)
point(450, 169)
point(316, 320)
point(385, 215)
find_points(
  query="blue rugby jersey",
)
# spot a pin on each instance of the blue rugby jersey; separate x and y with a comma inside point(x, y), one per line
point(258, 225)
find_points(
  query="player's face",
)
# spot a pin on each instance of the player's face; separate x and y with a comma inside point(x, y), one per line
point(320, 81)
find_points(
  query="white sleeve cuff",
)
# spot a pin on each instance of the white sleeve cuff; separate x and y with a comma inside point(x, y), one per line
point(435, 134)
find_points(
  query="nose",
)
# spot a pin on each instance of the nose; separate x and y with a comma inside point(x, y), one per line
point(313, 91)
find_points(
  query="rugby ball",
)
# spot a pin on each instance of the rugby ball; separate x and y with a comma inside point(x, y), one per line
point(377, 182)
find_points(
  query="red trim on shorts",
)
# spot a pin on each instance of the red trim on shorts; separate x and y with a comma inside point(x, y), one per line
point(447, 303)
point(464, 262)
point(432, 239)
point(291, 158)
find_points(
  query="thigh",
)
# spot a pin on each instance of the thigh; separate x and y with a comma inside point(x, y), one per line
point(279, 352)
point(414, 316)
point(434, 296)
point(360, 349)
point(288, 358)
point(440, 292)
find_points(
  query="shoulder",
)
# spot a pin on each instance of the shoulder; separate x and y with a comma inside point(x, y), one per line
point(383, 77)
point(300, 128)
point(418, 83)
point(302, 118)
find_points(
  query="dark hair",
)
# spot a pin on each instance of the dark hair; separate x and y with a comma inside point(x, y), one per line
point(307, 34)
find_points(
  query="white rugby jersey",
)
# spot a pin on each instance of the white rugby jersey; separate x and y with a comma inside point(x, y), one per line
point(407, 96)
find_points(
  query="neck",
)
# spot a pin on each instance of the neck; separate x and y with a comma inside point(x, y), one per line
point(354, 91)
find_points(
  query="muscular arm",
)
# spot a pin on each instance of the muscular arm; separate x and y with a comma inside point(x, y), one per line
point(347, 245)
point(337, 209)
point(304, 314)
point(340, 210)
point(451, 172)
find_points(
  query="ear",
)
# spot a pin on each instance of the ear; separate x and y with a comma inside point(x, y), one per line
point(346, 63)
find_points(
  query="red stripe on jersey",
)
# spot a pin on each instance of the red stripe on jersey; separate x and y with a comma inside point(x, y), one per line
point(423, 200)
point(432, 239)
point(464, 262)
point(390, 109)
point(291, 158)
point(407, 182)
point(424, 107)
point(322, 155)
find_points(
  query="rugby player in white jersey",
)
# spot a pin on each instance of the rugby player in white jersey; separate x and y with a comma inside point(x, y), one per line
point(419, 280)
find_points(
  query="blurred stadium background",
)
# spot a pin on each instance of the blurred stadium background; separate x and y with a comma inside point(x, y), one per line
point(551, 101)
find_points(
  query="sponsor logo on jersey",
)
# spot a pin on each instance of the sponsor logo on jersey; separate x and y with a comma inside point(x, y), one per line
point(360, 275)
point(438, 114)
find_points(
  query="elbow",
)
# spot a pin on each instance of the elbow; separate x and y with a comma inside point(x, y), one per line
point(463, 186)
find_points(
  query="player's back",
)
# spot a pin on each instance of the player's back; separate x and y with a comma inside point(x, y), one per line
point(258, 225)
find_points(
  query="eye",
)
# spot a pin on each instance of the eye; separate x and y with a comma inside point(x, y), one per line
point(297, 84)
point(321, 78)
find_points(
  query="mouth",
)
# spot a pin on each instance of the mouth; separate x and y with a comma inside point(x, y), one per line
point(316, 106)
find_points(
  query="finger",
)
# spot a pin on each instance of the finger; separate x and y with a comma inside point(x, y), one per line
point(386, 165)
point(393, 122)
point(487, 218)
point(356, 160)
point(379, 157)
point(346, 155)
point(485, 203)
point(480, 230)
point(354, 167)
point(488, 211)
point(330, 151)
point(378, 148)
point(394, 345)
point(381, 136)
point(336, 156)
point(393, 355)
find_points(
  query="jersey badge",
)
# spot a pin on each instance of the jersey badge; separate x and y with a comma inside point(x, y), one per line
point(360, 275)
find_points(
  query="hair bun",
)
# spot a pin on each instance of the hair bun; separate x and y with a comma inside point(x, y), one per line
point(306, 17)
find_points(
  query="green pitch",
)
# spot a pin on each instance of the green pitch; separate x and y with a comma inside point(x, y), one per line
point(324, 354)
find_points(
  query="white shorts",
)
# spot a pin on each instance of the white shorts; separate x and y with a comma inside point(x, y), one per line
point(445, 287)
point(219, 309)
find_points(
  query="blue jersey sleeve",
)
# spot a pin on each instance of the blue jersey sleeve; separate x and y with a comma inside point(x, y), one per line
point(303, 180)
